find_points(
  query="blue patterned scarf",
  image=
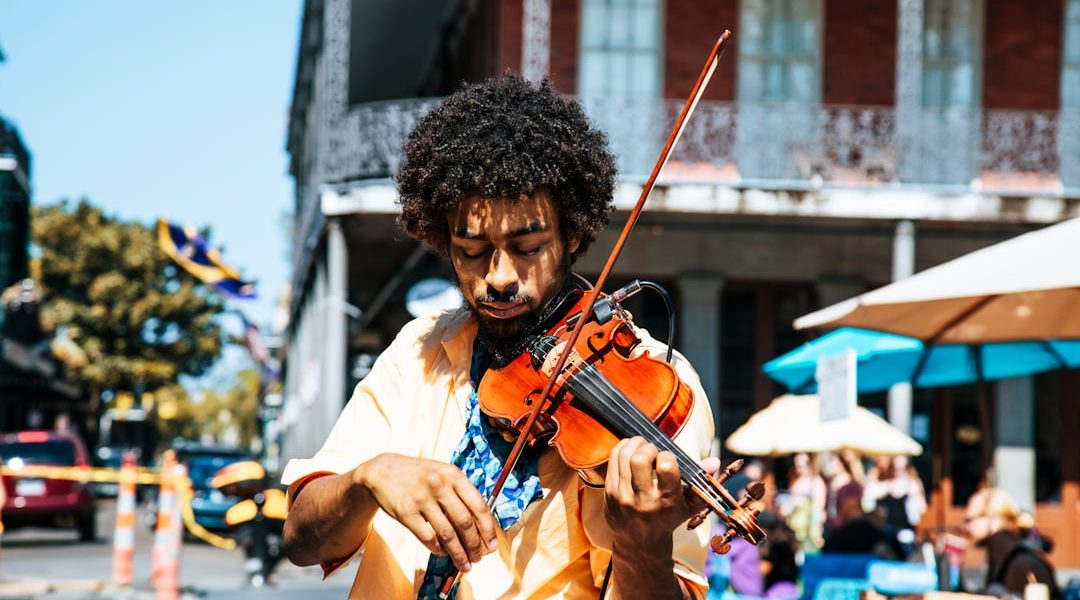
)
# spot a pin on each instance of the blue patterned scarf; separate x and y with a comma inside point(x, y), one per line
point(480, 455)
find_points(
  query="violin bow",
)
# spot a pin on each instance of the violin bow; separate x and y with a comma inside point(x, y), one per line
point(631, 221)
point(691, 103)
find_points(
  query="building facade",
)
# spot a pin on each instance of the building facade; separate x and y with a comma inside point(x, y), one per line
point(840, 144)
point(33, 390)
point(14, 205)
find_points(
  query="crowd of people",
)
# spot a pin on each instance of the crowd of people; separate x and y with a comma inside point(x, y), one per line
point(842, 503)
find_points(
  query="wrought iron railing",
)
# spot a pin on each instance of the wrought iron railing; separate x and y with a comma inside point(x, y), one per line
point(787, 145)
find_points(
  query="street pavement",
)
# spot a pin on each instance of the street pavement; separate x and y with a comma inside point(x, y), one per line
point(52, 563)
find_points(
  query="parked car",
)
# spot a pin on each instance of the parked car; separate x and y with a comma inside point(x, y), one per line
point(208, 504)
point(46, 501)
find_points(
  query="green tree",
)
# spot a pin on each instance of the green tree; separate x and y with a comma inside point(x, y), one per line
point(140, 319)
point(230, 415)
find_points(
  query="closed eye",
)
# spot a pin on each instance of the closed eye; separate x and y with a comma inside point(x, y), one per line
point(472, 251)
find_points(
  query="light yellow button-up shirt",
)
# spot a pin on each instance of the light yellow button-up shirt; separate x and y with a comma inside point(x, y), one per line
point(413, 403)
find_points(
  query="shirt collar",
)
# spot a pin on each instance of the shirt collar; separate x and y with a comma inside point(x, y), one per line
point(457, 339)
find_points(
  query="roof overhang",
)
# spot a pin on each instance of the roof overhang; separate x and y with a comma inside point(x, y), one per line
point(393, 45)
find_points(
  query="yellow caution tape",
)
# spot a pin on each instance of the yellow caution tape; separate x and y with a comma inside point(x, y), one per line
point(186, 493)
point(143, 475)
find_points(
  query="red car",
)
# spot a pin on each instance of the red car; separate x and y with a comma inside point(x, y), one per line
point(43, 501)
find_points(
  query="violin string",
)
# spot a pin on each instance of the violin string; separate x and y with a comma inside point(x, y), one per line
point(635, 422)
point(609, 402)
point(619, 411)
point(617, 405)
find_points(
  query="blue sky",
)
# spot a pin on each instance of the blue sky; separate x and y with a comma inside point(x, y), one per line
point(162, 108)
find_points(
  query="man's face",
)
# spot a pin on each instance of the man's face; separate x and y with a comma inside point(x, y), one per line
point(511, 260)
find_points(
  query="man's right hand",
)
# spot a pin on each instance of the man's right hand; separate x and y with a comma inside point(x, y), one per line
point(435, 501)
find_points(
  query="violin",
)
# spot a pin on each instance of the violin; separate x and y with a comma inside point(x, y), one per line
point(605, 393)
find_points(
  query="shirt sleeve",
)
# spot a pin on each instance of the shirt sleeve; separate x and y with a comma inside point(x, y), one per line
point(363, 430)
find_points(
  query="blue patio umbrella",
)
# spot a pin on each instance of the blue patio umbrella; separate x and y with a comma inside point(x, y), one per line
point(885, 359)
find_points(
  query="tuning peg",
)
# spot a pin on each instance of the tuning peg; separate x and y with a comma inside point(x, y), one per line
point(721, 544)
point(754, 491)
point(729, 470)
point(698, 518)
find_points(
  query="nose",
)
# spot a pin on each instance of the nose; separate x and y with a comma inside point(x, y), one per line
point(501, 275)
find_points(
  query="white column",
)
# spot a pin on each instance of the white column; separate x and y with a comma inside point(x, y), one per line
point(699, 318)
point(1014, 448)
point(536, 39)
point(335, 327)
point(899, 405)
point(909, 56)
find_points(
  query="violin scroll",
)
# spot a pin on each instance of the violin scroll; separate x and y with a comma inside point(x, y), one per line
point(741, 519)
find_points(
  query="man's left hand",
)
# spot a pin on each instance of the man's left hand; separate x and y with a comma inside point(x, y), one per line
point(644, 495)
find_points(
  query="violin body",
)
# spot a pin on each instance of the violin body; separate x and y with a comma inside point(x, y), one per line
point(583, 437)
point(605, 393)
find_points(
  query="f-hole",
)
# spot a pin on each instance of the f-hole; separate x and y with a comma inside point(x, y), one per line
point(592, 343)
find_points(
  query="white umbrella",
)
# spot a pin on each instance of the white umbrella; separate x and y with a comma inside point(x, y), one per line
point(1026, 288)
point(1023, 289)
point(792, 424)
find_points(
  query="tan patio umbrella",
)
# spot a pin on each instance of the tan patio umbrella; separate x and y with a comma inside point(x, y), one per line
point(792, 424)
point(1026, 288)
point(1023, 289)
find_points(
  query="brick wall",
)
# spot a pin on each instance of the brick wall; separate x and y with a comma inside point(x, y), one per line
point(510, 36)
point(565, 44)
point(1022, 54)
point(691, 28)
point(859, 64)
point(564, 41)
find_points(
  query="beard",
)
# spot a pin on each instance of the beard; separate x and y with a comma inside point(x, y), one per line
point(506, 339)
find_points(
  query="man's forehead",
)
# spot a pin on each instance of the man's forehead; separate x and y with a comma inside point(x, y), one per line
point(483, 217)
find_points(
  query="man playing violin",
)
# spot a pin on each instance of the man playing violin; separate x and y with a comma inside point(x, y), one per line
point(510, 182)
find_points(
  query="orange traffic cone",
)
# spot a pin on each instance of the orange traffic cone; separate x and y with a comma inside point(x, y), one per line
point(124, 536)
point(167, 583)
point(165, 515)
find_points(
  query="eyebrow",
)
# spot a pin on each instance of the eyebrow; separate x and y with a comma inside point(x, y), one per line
point(534, 227)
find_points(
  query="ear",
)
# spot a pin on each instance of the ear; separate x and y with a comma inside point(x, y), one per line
point(572, 243)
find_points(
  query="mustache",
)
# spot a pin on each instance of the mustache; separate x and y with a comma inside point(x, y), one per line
point(506, 297)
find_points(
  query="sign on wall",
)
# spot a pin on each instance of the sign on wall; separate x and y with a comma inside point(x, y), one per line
point(836, 385)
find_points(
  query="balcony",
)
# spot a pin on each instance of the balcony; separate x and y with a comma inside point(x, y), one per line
point(788, 147)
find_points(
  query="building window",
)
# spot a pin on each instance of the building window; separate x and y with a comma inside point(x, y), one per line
point(951, 48)
point(620, 49)
point(779, 51)
point(1070, 65)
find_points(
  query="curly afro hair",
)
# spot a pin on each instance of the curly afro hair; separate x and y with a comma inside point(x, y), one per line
point(505, 138)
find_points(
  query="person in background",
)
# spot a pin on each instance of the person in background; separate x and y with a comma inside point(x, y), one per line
point(3, 499)
point(741, 569)
point(893, 490)
point(861, 533)
point(805, 512)
point(845, 487)
point(992, 521)
point(778, 563)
